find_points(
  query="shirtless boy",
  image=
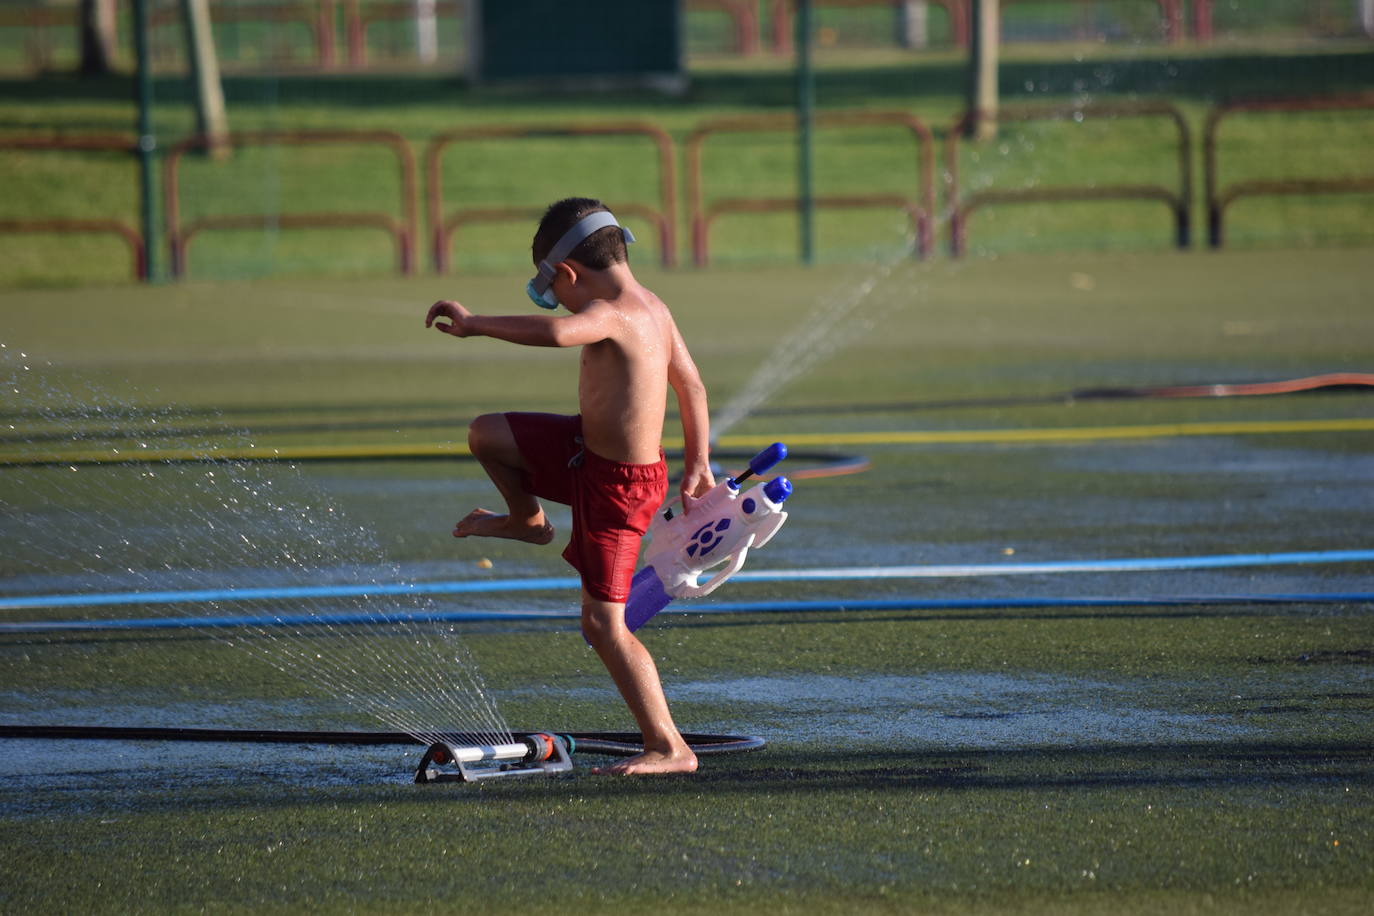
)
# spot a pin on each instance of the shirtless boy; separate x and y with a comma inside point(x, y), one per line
point(605, 462)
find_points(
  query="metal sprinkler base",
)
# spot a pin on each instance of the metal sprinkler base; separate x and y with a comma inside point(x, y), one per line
point(536, 754)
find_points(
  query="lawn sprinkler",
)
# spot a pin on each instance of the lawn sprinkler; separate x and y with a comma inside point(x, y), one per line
point(535, 754)
point(722, 527)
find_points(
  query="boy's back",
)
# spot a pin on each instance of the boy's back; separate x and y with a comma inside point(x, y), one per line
point(623, 383)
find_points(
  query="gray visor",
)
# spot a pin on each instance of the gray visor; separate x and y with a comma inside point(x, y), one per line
point(570, 240)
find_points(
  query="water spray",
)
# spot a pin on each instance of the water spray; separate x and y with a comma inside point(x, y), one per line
point(831, 325)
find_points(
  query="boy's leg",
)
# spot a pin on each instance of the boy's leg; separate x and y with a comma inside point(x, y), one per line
point(493, 444)
point(636, 677)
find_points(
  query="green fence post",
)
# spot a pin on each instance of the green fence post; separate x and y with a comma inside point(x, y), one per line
point(806, 104)
point(147, 143)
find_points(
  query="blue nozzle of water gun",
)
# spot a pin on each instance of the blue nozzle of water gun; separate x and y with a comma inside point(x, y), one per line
point(767, 458)
point(778, 489)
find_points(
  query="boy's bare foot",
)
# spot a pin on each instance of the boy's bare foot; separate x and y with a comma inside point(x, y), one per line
point(653, 763)
point(483, 524)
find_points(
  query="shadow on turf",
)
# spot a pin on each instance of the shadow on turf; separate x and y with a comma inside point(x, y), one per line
point(794, 618)
point(793, 771)
point(1174, 765)
point(456, 415)
point(1240, 610)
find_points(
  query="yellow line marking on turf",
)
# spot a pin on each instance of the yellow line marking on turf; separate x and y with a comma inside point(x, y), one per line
point(892, 437)
point(1062, 434)
point(267, 453)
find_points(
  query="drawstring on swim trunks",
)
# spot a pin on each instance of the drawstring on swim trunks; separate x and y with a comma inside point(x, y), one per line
point(576, 460)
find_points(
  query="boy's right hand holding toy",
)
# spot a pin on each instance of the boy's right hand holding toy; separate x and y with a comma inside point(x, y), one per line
point(697, 481)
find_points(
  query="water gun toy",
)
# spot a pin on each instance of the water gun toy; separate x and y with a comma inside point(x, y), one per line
point(722, 527)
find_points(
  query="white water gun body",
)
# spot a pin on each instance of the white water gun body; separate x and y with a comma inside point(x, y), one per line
point(720, 531)
point(722, 528)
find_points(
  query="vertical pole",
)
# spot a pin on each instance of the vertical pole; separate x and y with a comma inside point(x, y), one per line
point(1202, 21)
point(806, 116)
point(211, 121)
point(983, 54)
point(147, 143)
point(426, 32)
point(474, 28)
point(913, 24)
point(97, 37)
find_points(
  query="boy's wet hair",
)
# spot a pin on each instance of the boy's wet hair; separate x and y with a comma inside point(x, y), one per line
point(601, 249)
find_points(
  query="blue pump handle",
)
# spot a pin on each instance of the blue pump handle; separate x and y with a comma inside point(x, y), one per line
point(778, 489)
point(764, 460)
point(757, 465)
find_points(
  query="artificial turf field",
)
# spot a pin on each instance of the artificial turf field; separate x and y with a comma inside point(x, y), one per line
point(1131, 757)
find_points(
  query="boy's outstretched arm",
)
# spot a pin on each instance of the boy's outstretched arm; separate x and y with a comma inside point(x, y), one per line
point(530, 330)
point(697, 478)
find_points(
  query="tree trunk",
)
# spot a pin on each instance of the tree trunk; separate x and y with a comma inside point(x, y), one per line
point(211, 121)
point(982, 69)
point(97, 26)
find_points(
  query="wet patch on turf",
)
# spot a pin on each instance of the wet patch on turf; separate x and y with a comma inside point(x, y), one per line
point(965, 710)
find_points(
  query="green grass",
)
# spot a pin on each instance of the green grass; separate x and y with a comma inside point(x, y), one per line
point(1190, 758)
point(529, 173)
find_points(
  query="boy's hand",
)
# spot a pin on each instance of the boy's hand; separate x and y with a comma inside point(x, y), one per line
point(455, 313)
point(696, 483)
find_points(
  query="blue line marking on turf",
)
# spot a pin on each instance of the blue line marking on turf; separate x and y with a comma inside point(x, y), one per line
point(743, 607)
point(372, 590)
point(489, 586)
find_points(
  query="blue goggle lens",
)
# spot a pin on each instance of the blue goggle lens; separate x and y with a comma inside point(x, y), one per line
point(546, 300)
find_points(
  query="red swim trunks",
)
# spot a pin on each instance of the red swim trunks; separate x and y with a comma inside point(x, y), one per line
point(612, 502)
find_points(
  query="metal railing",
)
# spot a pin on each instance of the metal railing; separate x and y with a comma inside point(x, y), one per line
point(402, 231)
point(1178, 200)
point(442, 227)
point(920, 207)
point(1219, 198)
point(86, 225)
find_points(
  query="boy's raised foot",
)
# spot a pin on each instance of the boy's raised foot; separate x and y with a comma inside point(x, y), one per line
point(653, 763)
point(483, 524)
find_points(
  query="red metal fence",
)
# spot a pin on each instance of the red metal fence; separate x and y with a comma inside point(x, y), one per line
point(919, 203)
point(317, 16)
point(960, 18)
point(403, 231)
point(442, 227)
point(744, 17)
point(1178, 200)
point(920, 208)
point(87, 143)
point(359, 16)
point(780, 17)
point(1170, 15)
point(1218, 198)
